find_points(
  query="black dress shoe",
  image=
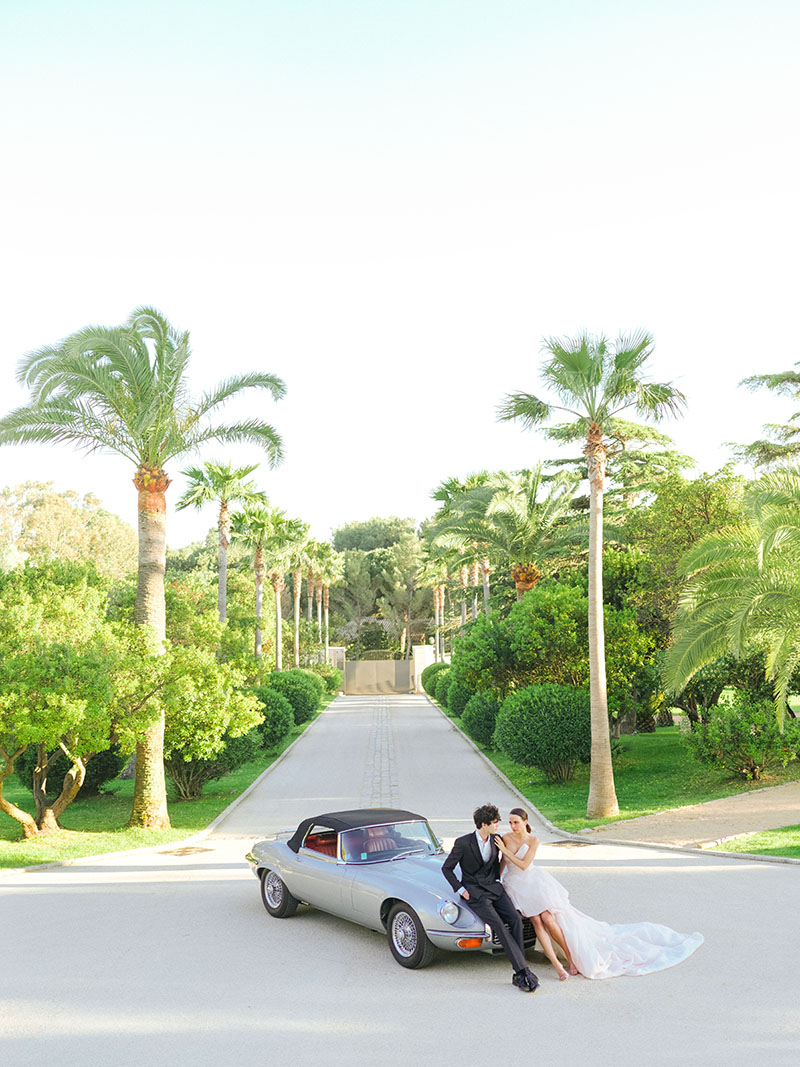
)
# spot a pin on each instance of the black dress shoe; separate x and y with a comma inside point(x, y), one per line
point(533, 981)
point(522, 981)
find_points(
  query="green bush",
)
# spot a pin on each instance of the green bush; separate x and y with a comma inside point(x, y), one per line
point(546, 726)
point(428, 676)
point(331, 676)
point(302, 689)
point(480, 717)
point(101, 768)
point(457, 696)
point(278, 716)
point(440, 687)
point(743, 737)
point(189, 776)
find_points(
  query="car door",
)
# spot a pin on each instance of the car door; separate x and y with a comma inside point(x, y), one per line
point(322, 880)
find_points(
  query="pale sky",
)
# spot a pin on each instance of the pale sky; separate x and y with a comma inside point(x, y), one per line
point(389, 203)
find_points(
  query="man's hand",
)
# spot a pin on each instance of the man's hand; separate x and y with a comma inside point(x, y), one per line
point(465, 894)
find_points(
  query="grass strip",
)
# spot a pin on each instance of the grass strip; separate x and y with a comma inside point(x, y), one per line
point(95, 825)
point(784, 841)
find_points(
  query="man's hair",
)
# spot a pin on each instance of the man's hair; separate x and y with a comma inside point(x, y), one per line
point(485, 814)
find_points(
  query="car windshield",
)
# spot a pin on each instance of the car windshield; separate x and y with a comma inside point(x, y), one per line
point(387, 841)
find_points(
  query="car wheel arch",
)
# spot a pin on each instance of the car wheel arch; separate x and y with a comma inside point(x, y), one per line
point(386, 907)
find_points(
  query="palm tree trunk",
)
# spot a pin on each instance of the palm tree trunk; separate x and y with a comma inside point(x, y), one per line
point(485, 575)
point(224, 527)
point(319, 608)
point(326, 598)
point(297, 578)
point(150, 790)
point(258, 566)
point(277, 586)
point(474, 583)
point(602, 795)
point(310, 592)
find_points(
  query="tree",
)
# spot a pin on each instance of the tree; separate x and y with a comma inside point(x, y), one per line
point(596, 380)
point(374, 533)
point(41, 524)
point(124, 390)
point(743, 591)
point(216, 482)
point(783, 441)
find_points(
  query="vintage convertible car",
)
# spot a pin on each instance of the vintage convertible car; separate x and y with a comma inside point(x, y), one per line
point(377, 867)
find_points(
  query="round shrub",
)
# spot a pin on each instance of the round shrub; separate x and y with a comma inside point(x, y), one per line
point(428, 676)
point(480, 717)
point(101, 768)
point(546, 726)
point(330, 676)
point(440, 687)
point(189, 776)
point(302, 689)
point(457, 697)
point(742, 736)
point(278, 716)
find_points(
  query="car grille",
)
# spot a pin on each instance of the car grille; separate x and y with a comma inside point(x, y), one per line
point(528, 936)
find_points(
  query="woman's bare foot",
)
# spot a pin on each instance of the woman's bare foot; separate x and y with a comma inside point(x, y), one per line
point(562, 974)
point(573, 970)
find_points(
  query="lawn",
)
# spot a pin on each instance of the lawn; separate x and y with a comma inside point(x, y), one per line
point(652, 772)
point(97, 824)
point(782, 842)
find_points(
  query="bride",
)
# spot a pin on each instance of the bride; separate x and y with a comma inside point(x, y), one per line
point(592, 948)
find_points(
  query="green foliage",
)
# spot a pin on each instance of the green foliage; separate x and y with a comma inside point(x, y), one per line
point(331, 676)
point(440, 686)
point(546, 726)
point(480, 718)
point(302, 689)
point(372, 534)
point(428, 676)
point(743, 737)
point(457, 696)
point(101, 768)
point(278, 716)
point(190, 775)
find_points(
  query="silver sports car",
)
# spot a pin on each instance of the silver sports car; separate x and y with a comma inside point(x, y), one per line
point(377, 867)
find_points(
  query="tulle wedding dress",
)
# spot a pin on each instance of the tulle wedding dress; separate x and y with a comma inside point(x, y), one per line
point(598, 949)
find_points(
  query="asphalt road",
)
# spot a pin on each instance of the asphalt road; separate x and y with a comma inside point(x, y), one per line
point(159, 958)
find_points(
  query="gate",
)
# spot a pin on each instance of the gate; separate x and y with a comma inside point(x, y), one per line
point(368, 677)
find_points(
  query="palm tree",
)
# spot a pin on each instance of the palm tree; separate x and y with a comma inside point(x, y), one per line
point(297, 563)
point(332, 564)
point(287, 536)
point(743, 590)
point(220, 482)
point(510, 517)
point(124, 390)
point(783, 442)
point(252, 526)
point(596, 380)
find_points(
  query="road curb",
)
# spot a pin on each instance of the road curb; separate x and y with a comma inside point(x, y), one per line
point(582, 836)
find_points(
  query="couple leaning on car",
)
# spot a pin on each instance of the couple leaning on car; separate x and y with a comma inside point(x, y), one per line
point(500, 883)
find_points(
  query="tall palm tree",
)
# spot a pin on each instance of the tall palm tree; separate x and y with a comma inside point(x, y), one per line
point(596, 380)
point(743, 590)
point(124, 390)
point(219, 482)
point(332, 574)
point(285, 540)
point(252, 526)
point(297, 563)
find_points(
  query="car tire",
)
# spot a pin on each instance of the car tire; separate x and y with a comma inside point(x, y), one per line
point(407, 938)
point(277, 899)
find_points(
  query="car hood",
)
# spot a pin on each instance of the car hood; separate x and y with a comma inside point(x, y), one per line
point(418, 870)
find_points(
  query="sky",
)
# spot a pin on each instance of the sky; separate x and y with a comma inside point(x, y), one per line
point(389, 204)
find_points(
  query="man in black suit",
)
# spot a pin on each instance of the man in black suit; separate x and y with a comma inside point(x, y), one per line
point(479, 859)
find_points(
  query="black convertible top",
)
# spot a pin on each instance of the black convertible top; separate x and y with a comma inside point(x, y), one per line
point(350, 820)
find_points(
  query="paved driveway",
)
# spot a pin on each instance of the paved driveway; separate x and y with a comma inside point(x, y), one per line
point(162, 959)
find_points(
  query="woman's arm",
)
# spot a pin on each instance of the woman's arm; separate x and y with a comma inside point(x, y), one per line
point(524, 863)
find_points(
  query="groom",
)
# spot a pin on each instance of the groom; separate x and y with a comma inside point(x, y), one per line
point(479, 859)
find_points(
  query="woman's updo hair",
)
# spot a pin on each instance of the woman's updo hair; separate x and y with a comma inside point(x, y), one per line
point(523, 815)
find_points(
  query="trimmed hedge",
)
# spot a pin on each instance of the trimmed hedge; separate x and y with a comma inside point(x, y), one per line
point(278, 716)
point(457, 696)
point(480, 718)
point(546, 726)
point(440, 687)
point(428, 676)
point(331, 676)
point(189, 776)
point(301, 688)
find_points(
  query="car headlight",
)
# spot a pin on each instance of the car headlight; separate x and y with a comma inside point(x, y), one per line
point(449, 912)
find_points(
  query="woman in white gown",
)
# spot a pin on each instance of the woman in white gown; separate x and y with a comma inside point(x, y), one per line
point(592, 948)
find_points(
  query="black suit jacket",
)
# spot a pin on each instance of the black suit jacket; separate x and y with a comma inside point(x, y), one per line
point(477, 877)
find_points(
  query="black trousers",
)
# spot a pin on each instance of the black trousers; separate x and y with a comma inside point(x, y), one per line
point(504, 920)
